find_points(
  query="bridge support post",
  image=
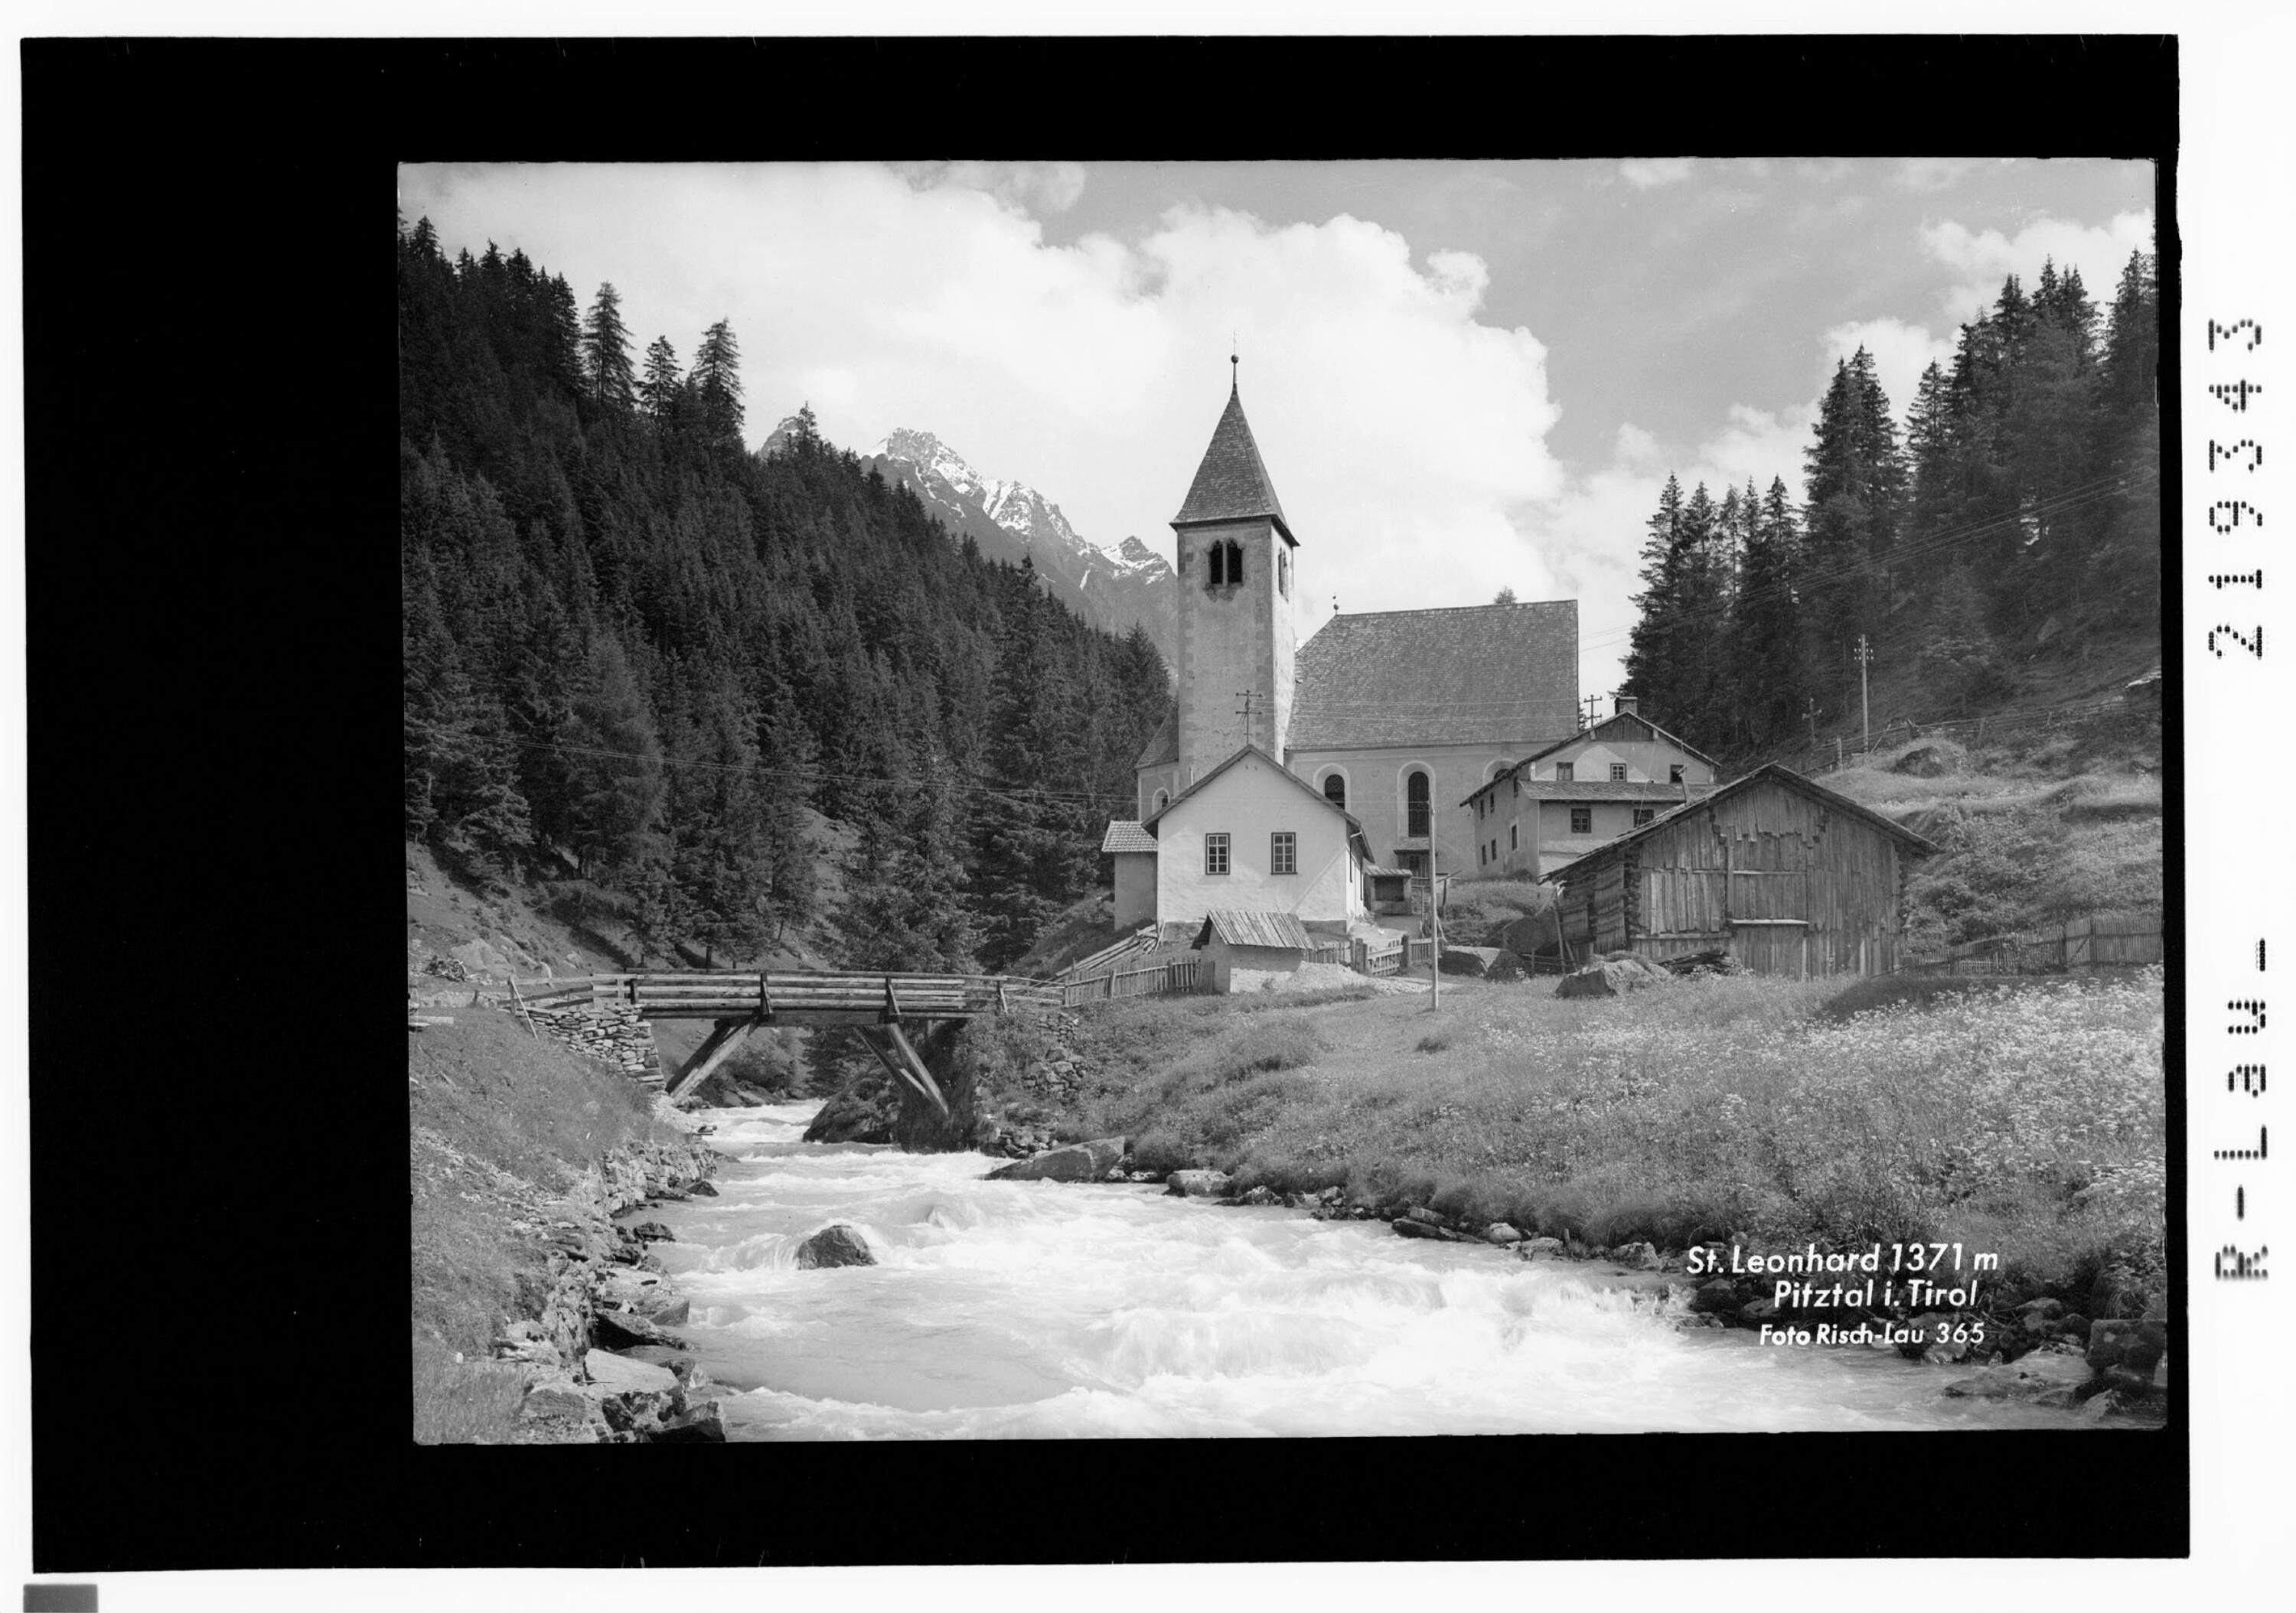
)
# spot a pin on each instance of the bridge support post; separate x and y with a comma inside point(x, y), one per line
point(901, 1061)
point(729, 1035)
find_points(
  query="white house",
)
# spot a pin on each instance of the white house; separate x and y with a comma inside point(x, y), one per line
point(1556, 804)
point(1252, 835)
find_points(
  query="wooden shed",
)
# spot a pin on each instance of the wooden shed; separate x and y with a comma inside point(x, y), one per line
point(1246, 947)
point(1789, 877)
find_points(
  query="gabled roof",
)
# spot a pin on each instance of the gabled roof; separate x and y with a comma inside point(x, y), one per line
point(1355, 829)
point(1163, 745)
point(1635, 718)
point(1256, 929)
point(1472, 674)
point(1770, 772)
point(1231, 483)
point(1123, 835)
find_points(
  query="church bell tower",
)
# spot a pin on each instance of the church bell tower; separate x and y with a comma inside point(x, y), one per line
point(1237, 581)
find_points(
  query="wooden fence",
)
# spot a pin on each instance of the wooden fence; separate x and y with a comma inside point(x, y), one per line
point(1157, 979)
point(2083, 943)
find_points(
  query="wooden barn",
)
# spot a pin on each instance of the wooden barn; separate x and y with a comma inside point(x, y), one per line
point(1788, 876)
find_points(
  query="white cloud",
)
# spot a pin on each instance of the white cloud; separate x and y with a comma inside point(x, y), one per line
point(1644, 172)
point(1983, 260)
point(1901, 352)
point(1402, 433)
point(1024, 187)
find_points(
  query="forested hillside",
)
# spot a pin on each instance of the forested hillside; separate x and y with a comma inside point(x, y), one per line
point(2017, 516)
point(635, 651)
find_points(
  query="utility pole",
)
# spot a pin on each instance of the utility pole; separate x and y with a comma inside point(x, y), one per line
point(1593, 704)
point(1864, 712)
point(1244, 711)
point(1434, 915)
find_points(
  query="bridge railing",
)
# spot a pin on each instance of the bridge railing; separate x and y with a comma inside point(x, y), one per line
point(839, 990)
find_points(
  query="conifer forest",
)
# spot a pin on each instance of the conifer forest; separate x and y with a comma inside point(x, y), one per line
point(650, 666)
point(2020, 504)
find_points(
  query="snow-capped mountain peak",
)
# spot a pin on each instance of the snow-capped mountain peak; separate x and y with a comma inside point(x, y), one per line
point(1114, 587)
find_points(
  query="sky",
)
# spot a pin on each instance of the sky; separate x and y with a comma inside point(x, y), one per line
point(1463, 376)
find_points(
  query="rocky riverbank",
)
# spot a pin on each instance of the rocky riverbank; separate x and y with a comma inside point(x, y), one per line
point(597, 1364)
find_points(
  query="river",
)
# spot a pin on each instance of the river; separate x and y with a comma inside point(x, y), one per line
point(1038, 1310)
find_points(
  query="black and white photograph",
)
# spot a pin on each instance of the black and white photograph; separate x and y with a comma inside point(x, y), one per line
point(1180, 799)
point(1357, 809)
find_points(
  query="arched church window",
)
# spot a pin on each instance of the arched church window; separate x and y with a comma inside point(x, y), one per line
point(1163, 799)
point(1414, 802)
point(1234, 561)
point(1335, 789)
point(1284, 573)
point(1218, 573)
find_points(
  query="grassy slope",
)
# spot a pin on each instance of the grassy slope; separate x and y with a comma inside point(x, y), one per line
point(2027, 1119)
point(500, 1125)
point(2038, 829)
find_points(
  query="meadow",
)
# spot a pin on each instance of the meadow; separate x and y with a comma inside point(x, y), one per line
point(2026, 1118)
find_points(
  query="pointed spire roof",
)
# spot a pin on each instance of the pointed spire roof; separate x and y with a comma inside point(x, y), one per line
point(1232, 484)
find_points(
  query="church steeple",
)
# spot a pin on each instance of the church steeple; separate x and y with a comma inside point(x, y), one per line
point(1232, 484)
point(1236, 581)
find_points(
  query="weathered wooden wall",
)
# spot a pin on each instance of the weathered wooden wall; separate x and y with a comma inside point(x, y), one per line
point(1789, 884)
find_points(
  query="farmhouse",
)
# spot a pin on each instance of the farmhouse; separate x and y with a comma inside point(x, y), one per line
point(1789, 877)
point(1535, 818)
point(1381, 715)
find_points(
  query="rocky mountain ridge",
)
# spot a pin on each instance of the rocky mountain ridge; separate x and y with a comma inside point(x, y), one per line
point(1112, 589)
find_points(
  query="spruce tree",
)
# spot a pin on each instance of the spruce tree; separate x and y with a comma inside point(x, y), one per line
point(663, 384)
point(606, 354)
point(718, 387)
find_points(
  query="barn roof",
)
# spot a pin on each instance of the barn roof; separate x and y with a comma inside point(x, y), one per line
point(1630, 718)
point(1256, 929)
point(1471, 675)
point(1232, 484)
point(1163, 745)
point(1769, 773)
point(1123, 835)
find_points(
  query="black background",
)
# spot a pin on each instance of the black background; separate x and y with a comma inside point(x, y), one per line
point(220, 1371)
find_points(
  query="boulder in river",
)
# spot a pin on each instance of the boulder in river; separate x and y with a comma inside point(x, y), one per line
point(624, 1329)
point(1198, 1184)
point(1077, 1162)
point(1501, 1232)
point(838, 1244)
point(2049, 1380)
point(1405, 1226)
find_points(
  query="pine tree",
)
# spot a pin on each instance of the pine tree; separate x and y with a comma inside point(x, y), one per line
point(616, 762)
point(663, 386)
point(718, 387)
point(1770, 683)
point(606, 354)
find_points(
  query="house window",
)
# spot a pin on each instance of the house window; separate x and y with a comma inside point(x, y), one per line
point(1582, 820)
point(1674, 774)
point(1617, 773)
point(1564, 773)
point(1414, 803)
point(1216, 853)
point(1284, 852)
point(1481, 856)
point(1335, 789)
point(1514, 836)
point(1643, 814)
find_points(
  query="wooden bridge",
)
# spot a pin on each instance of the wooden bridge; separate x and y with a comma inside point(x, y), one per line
point(877, 1005)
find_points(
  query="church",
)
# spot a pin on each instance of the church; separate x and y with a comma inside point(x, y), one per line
point(1290, 775)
